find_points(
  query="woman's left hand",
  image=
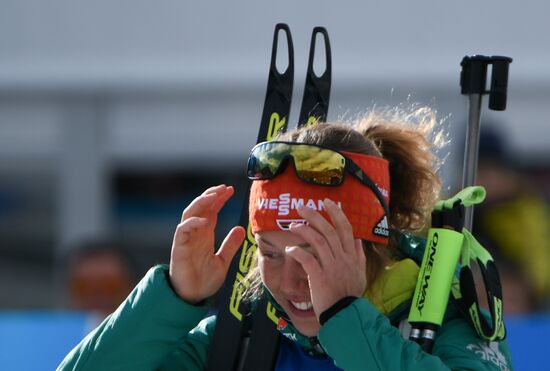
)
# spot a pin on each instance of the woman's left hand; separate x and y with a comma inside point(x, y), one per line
point(335, 263)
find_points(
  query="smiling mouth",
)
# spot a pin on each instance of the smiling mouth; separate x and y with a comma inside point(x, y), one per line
point(302, 305)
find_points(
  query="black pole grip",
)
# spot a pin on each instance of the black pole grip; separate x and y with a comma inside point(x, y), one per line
point(473, 78)
point(499, 83)
point(474, 74)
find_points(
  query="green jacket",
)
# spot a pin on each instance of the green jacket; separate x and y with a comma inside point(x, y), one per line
point(154, 329)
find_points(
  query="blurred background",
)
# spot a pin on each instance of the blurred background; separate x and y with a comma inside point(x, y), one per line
point(114, 115)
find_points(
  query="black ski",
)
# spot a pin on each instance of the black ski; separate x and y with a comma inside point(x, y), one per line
point(317, 88)
point(225, 349)
point(264, 339)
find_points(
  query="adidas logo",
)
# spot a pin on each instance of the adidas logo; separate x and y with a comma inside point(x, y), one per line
point(382, 228)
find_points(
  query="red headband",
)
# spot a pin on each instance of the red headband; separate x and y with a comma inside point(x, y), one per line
point(273, 202)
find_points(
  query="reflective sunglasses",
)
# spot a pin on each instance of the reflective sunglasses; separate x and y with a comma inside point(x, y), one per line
point(313, 164)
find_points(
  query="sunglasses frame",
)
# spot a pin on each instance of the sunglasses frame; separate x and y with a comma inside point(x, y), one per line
point(349, 166)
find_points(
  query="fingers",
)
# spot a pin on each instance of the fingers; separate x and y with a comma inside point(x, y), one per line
point(341, 224)
point(210, 201)
point(198, 206)
point(323, 227)
point(231, 244)
point(192, 223)
point(214, 189)
point(224, 195)
point(316, 240)
point(339, 234)
point(307, 261)
point(186, 227)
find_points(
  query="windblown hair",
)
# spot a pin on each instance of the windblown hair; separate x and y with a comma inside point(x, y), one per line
point(407, 139)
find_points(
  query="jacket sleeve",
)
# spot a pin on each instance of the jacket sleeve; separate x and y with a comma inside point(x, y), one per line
point(149, 326)
point(359, 337)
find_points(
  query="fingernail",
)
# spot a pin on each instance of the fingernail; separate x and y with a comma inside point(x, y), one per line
point(329, 202)
point(295, 225)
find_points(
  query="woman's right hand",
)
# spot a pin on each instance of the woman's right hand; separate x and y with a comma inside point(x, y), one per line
point(196, 270)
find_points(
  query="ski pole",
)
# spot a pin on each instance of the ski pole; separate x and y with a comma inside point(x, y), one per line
point(473, 79)
point(445, 239)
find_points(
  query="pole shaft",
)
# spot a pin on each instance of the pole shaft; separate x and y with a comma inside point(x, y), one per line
point(471, 151)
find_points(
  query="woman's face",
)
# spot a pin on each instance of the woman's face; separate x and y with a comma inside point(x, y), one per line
point(286, 279)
